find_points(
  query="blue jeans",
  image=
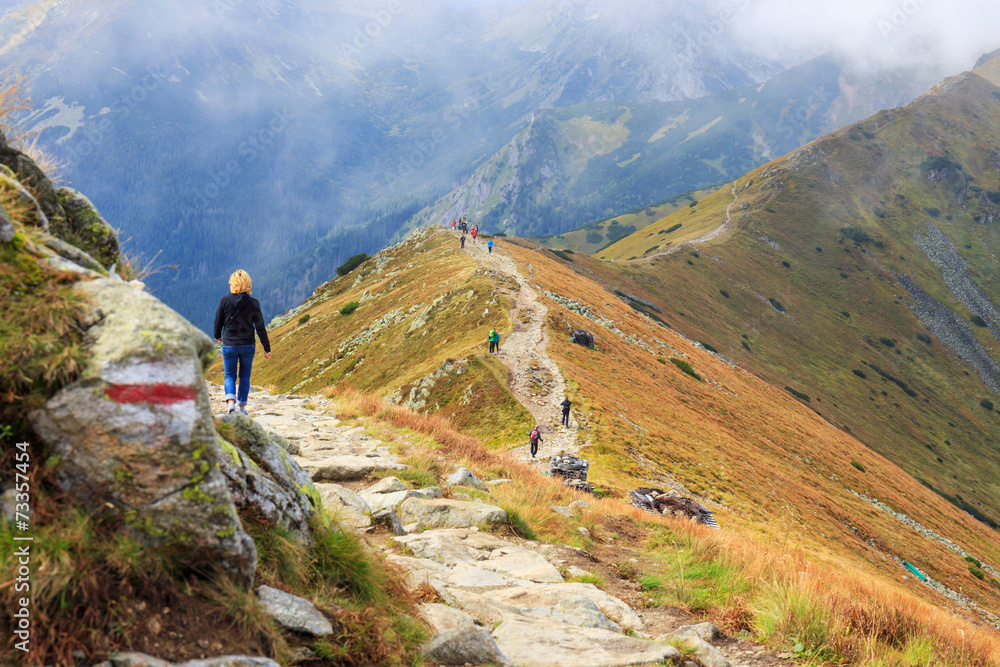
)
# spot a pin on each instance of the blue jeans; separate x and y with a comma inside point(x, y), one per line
point(238, 360)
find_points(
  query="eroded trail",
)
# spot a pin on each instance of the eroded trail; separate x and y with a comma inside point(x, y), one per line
point(718, 231)
point(533, 377)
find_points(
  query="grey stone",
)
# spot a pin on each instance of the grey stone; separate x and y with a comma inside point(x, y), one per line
point(390, 519)
point(294, 612)
point(580, 505)
point(461, 496)
point(443, 618)
point(261, 474)
point(564, 511)
point(73, 254)
point(692, 637)
point(498, 482)
point(351, 509)
point(429, 492)
point(583, 531)
point(465, 645)
point(387, 501)
point(444, 513)
point(347, 468)
point(386, 485)
point(135, 435)
point(50, 212)
point(450, 547)
point(464, 477)
point(579, 611)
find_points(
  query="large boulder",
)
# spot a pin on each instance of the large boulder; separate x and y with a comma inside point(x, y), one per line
point(444, 513)
point(20, 201)
point(263, 475)
point(86, 229)
point(134, 436)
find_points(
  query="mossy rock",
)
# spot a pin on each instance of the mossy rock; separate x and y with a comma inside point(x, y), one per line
point(21, 204)
point(38, 184)
point(87, 229)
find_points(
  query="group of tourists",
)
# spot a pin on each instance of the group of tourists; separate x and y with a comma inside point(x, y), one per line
point(462, 225)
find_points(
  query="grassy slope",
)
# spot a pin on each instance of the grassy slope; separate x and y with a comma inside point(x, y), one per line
point(579, 240)
point(843, 299)
point(782, 471)
point(422, 277)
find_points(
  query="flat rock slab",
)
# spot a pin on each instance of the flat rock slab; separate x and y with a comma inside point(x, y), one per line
point(464, 646)
point(541, 642)
point(444, 513)
point(538, 600)
point(293, 612)
point(524, 564)
point(345, 468)
point(449, 547)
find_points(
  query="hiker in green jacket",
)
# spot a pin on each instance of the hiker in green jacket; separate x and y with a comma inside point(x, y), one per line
point(494, 339)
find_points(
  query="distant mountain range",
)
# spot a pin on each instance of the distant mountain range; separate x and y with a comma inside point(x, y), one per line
point(284, 136)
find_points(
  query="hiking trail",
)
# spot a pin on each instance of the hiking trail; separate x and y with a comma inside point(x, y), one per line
point(715, 233)
point(532, 376)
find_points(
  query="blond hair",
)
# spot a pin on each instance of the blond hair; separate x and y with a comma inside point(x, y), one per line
point(239, 282)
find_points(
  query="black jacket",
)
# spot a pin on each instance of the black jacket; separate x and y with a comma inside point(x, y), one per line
point(565, 405)
point(240, 329)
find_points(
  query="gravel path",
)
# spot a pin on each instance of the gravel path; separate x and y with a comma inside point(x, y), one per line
point(532, 376)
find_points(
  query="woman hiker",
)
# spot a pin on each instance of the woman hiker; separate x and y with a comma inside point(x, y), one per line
point(489, 245)
point(236, 320)
point(494, 339)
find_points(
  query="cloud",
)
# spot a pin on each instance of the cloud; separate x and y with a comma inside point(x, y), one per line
point(876, 33)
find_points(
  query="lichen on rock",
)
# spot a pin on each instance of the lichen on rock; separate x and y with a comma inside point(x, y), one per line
point(86, 228)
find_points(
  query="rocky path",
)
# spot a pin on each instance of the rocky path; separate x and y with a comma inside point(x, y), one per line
point(488, 598)
point(533, 377)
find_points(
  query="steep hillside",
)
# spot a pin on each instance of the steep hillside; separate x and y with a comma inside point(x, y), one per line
point(859, 272)
point(591, 160)
point(770, 465)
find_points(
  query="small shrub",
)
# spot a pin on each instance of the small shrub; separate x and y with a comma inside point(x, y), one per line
point(776, 305)
point(724, 293)
point(304, 318)
point(818, 249)
point(845, 313)
point(708, 347)
point(973, 560)
point(685, 366)
point(562, 254)
point(694, 202)
point(798, 394)
point(349, 308)
point(976, 572)
point(786, 265)
point(924, 338)
point(690, 262)
point(745, 346)
point(888, 342)
point(986, 403)
point(978, 321)
point(674, 228)
point(856, 234)
point(661, 360)
point(933, 212)
point(861, 374)
point(843, 275)
point(351, 264)
point(858, 465)
point(589, 578)
point(879, 213)
point(593, 238)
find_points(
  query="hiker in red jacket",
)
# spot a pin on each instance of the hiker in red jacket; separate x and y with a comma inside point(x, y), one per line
point(534, 438)
point(475, 232)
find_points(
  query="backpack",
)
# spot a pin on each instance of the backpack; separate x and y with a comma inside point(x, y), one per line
point(534, 434)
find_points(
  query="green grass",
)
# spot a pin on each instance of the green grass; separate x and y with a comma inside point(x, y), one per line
point(685, 367)
point(349, 308)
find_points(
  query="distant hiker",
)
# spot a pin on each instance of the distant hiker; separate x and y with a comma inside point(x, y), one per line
point(453, 225)
point(494, 341)
point(565, 407)
point(534, 438)
point(236, 319)
point(489, 246)
point(475, 232)
point(462, 240)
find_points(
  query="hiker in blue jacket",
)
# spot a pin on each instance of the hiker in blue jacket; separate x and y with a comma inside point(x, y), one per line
point(490, 246)
point(236, 319)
